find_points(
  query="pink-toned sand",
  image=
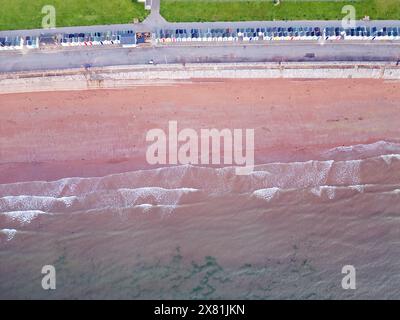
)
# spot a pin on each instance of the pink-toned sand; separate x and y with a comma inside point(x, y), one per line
point(46, 136)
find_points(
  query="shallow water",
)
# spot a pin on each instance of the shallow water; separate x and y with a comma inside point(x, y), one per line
point(285, 231)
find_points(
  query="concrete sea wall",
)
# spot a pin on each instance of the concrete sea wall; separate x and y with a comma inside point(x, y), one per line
point(126, 76)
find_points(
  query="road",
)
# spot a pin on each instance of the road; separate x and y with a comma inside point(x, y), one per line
point(284, 51)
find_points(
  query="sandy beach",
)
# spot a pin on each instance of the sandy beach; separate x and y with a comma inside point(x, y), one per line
point(51, 135)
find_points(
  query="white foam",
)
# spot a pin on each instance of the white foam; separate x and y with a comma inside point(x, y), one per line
point(347, 172)
point(23, 217)
point(27, 207)
point(389, 157)
point(161, 195)
point(297, 174)
point(359, 187)
point(266, 194)
point(26, 203)
point(10, 233)
point(145, 206)
point(328, 190)
point(316, 191)
point(375, 146)
point(260, 174)
point(395, 191)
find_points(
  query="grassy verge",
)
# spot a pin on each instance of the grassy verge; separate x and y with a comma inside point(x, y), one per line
point(258, 10)
point(26, 14)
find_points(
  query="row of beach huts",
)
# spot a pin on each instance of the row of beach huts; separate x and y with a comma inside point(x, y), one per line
point(125, 38)
point(130, 38)
point(278, 34)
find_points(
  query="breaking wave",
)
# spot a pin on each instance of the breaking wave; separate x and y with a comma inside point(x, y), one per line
point(9, 234)
point(171, 187)
point(266, 194)
point(23, 217)
point(26, 208)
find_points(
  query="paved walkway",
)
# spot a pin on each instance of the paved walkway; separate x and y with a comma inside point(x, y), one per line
point(154, 20)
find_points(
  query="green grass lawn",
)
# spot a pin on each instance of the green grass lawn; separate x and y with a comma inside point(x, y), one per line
point(257, 10)
point(26, 14)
